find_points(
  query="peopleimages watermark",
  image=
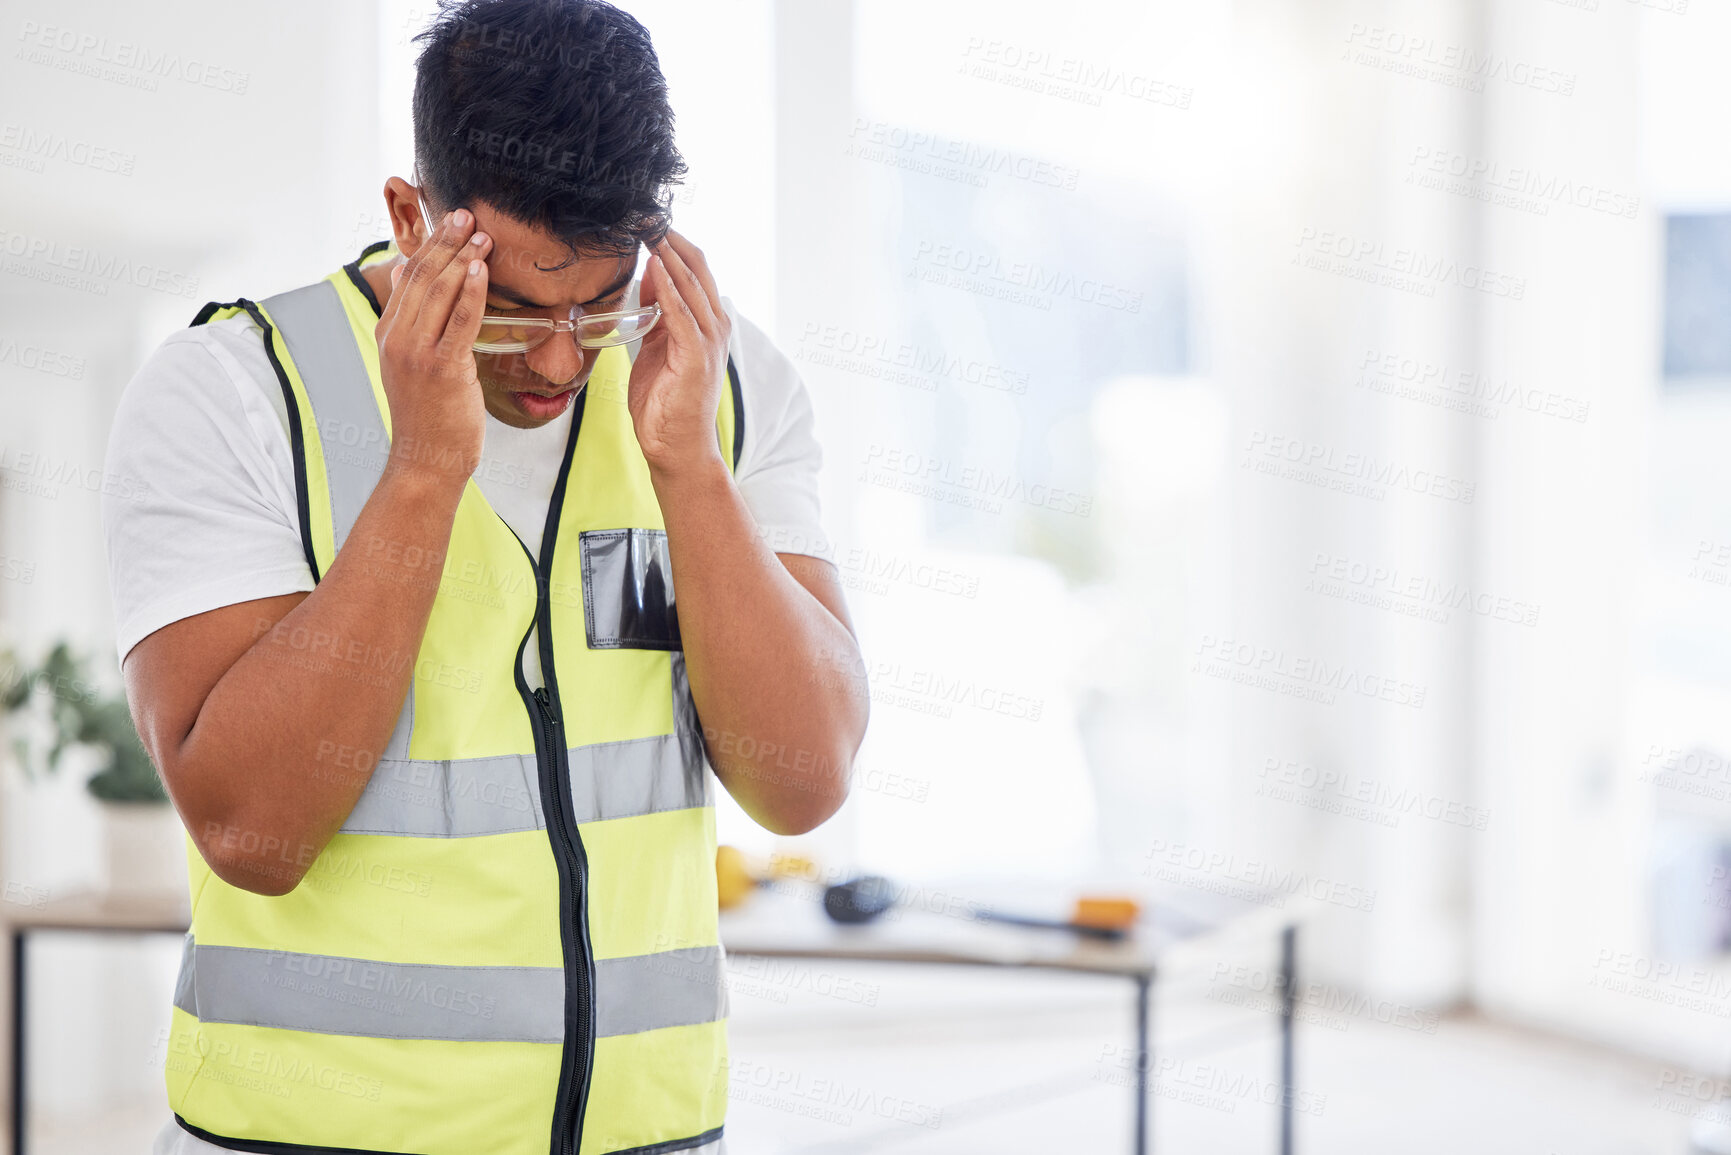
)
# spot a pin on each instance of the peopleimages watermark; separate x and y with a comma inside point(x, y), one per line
point(1409, 594)
point(963, 161)
point(1426, 58)
point(1208, 1085)
point(875, 572)
point(31, 149)
point(828, 1100)
point(1355, 474)
point(13, 569)
point(307, 865)
point(62, 686)
point(1251, 879)
point(1260, 989)
point(1201, 1084)
point(928, 691)
point(1336, 792)
point(901, 362)
point(123, 62)
point(1435, 382)
point(86, 269)
point(945, 480)
point(254, 1068)
point(383, 987)
point(1524, 188)
point(41, 359)
point(324, 651)
point(22, 894)
point(1017, 282)
point(1694, 1096)
point(1066, 77)
point(1312, 679)
point(418, 783)
point(1662, 981)
point(1711, 562)
point(37, 474)
point(1408, 270)
point(1696, 771)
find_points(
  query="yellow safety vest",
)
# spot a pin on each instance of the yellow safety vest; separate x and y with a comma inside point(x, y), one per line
point(511, 947)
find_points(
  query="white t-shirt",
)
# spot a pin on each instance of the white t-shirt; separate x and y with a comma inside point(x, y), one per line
point(209, 516)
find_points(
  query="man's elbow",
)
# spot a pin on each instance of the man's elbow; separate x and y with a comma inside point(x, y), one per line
point(801, 812)
point(789, 821)
point(249, 860)
point(269, 882)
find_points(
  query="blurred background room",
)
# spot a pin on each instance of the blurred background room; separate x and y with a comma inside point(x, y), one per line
point(1279, 459)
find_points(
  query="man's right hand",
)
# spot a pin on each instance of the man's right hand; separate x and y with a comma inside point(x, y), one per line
point(426, 336)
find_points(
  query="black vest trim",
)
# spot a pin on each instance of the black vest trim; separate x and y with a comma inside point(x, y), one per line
point(353, 269)
point(265, 1147)
point(685, 1144)
point(297, 440)
point(738, 412)
point(262, 1147)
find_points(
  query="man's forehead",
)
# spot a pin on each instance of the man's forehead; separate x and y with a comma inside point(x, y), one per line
point(533, 269)
point(531, 276)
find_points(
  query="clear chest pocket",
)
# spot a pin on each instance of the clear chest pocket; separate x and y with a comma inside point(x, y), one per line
point(628, 590)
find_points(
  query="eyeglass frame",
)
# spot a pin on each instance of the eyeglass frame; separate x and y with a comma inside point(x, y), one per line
point(547, 324)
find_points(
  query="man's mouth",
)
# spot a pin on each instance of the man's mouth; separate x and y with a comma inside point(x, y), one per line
point(543, 406)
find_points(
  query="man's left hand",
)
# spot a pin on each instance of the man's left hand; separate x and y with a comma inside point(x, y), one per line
point(676, 378)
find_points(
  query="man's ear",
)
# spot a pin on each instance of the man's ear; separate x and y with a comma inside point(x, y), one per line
point(404, 210)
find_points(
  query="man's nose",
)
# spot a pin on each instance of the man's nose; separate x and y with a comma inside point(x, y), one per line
point(559, 359)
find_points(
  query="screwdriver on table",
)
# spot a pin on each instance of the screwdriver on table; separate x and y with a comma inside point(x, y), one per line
point(867, 896)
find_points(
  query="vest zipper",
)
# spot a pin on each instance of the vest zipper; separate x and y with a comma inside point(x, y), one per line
point(572, 1102)
point(553, 765)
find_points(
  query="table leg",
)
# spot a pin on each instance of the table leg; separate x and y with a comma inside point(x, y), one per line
point(1288, 996)
point(1144, 1063)
point(18, 1055)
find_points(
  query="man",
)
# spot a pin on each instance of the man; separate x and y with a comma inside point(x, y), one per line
point(398, 626)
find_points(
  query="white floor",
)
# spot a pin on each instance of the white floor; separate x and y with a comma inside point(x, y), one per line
point(915, 1060)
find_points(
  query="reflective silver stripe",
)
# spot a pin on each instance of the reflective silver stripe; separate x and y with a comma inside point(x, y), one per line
point(689, 731)
point(315, 327)
point(346, 996)
point(183, 987)
point(333, 995)
point(638, 776)
point(468, 797)
point(671, 988)
point(461, 798)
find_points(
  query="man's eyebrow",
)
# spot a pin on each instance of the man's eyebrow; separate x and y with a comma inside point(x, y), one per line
point(522, 302)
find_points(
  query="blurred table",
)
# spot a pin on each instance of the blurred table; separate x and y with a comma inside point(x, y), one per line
point(88, 911)
point(786, 919)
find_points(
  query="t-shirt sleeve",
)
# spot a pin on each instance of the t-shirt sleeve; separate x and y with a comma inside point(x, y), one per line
point(209, 517)
point(780, 458)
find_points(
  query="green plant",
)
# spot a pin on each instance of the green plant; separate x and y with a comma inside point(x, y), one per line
point(80, 715)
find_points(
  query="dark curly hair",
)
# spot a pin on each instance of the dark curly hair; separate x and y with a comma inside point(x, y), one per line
point(553, 112)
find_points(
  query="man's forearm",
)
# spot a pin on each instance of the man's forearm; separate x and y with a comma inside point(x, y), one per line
point(773, 672)
point(288, 738)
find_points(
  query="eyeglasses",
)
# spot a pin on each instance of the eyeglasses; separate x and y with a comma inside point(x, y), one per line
point(521, 334)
